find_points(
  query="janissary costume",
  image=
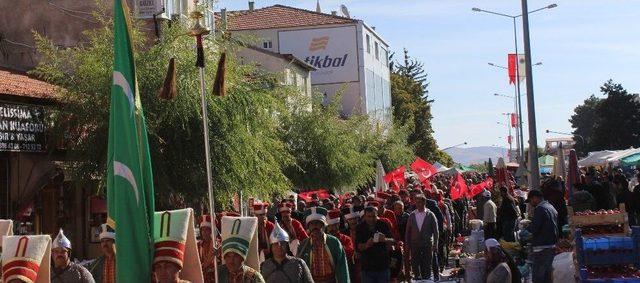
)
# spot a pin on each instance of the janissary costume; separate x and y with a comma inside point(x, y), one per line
point(205, 250)
point(26, 258)
point(264, 229)
point(290, 269)
point(239, 236)
point(103, 268)
point(326, 259)
point(175, 242)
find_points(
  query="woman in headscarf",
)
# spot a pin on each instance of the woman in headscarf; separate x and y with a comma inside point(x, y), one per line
point(500, 266)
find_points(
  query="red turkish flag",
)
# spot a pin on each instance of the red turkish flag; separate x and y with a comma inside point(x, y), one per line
point(512, 61)
point(514, 120)
point(423, 169)
point(395, 178)
point(458, 187)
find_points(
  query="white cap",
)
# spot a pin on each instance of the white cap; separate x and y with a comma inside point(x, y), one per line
point(491, 243)
point(486, 194)
point(106, 232)
point(61, 241)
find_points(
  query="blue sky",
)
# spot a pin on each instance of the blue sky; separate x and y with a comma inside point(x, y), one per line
point(581, 43)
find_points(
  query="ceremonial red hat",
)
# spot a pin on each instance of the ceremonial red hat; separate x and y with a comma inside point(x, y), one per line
point(333, 217)
point(260, 208)
point(285, 206)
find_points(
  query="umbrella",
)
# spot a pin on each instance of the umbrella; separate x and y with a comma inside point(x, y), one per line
point(572, 175)
point(381, 185)
point(501, 175)
point(560, 169)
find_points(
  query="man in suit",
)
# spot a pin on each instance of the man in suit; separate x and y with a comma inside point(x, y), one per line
point(421, 238)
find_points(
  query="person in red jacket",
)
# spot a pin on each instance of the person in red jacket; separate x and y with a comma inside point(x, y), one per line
point(383, 213)
point(293, 227)
point(265, 227)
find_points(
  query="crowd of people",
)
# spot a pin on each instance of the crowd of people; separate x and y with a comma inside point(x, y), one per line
point(397, 235)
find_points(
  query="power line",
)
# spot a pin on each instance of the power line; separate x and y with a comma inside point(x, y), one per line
point(70, 12)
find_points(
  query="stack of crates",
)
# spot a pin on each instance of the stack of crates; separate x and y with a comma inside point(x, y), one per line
point(618, 253)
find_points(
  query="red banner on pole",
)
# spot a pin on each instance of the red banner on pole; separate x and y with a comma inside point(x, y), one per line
point(514, 120)
point(512, 60)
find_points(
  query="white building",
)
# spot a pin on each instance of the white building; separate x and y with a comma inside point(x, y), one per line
point(350, 57)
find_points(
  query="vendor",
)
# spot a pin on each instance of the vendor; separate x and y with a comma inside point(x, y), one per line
point(500, 266)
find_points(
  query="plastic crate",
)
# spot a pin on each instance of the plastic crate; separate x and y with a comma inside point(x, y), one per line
point(584, 279)
point(608, 250)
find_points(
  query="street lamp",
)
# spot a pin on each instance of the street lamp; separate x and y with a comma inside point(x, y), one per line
point(457, 145)
point(532, 134)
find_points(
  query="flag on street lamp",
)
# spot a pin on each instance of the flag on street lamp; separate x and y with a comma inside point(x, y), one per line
point(129, 177)
point(511, 64)
point(514, 120)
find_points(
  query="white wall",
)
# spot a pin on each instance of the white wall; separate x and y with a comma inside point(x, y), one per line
point(376, 79)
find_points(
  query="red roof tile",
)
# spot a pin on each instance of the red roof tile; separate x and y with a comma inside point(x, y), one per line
point(20, 84)
point(279, 16)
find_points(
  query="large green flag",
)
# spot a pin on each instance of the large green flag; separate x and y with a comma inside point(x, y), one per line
point(129, 176)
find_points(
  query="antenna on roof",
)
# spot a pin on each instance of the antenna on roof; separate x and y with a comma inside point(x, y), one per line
point(345, 11)
point(318, 6)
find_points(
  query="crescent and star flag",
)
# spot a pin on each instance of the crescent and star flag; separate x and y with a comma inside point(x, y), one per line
point(423, 169)
point(396, 178)
point(478, 188)
point(458, 187)
point(514, 120)
point(129, 177)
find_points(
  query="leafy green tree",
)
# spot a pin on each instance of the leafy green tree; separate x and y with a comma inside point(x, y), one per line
point(583, 121)
point(247, 152)
point(334, 152)
point(412, 108)
point(612, 122)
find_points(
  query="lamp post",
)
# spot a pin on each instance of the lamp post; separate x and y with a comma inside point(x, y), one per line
point(457, 145)
point(535, 171)
point(509, 136)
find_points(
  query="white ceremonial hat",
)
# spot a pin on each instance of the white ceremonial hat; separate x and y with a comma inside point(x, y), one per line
point(106, 232)
point(175, 241)
point(26, 258)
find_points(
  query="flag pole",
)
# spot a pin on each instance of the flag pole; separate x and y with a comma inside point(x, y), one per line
point(198, 31)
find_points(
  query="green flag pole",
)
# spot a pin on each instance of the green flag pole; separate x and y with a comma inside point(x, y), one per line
point(130, 192)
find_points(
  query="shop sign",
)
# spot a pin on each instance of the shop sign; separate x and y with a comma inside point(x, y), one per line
point(22, 128)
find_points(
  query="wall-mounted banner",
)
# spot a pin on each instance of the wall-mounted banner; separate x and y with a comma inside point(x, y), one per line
point(22, 128)
point(332, 51)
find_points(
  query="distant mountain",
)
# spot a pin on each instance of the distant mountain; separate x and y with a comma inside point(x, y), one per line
point(476, 155)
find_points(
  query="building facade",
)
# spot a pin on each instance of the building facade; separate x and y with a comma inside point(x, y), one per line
point(350, 58)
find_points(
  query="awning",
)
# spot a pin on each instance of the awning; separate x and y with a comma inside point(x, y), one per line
point(631, 160)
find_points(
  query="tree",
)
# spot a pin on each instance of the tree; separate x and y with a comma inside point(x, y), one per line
point(334, 152)
point(247, 152)
point(584, 121)
point(412, 108)
point(609, 123)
